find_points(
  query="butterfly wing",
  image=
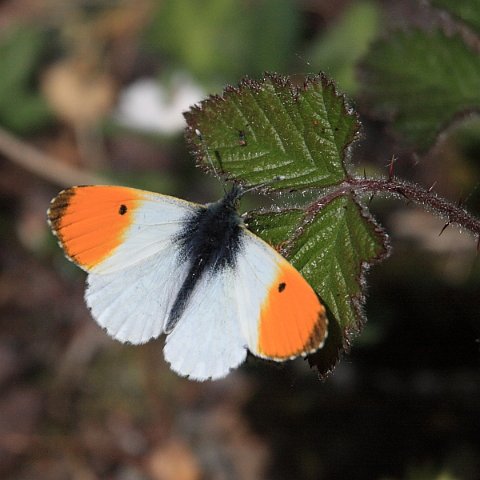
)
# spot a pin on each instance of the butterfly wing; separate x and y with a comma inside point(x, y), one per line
point(125, 239)
point(280, 314)
point(207, 340)
point(261, 303)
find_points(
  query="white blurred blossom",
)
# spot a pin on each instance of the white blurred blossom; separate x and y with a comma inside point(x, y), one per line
point(148, 105)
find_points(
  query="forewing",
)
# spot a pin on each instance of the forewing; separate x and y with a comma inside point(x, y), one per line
point(105, 229)
point(125, 239)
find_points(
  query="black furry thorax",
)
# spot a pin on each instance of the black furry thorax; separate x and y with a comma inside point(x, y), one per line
point(209, 242)
point(212, 234)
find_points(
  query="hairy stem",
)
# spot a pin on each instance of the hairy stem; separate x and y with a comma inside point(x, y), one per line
point(453, 213)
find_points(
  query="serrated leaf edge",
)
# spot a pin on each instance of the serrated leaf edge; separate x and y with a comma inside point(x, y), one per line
point(276, 80)
point(358, 301)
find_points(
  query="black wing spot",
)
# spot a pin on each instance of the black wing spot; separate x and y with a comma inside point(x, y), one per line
point(122, 210)
point(281, 287)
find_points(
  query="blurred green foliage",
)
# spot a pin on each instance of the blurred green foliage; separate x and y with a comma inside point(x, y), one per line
point(22, 107)
point(467, 11)
point(338, 50)
point(421, 81)
point(222, 40)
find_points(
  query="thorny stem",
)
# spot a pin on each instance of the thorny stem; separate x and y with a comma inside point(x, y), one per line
point(453, 213)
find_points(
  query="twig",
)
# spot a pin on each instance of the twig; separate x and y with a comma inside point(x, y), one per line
point(451, 212)
point(44, 165)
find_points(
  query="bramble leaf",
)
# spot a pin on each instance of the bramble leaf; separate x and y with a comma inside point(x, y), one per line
point(275, 227)
point(331, 248)
point(421, 81)
point(262, 130)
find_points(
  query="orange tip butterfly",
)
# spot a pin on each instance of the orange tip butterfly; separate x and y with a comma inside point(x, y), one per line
point(157, 264)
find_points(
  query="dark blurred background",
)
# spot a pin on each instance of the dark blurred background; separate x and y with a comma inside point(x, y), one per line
point(93, 92)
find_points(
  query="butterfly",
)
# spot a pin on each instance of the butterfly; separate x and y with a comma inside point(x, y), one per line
point(161, 265)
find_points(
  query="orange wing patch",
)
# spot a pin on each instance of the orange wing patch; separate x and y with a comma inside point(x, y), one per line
point(90, 222)
point(292, 319)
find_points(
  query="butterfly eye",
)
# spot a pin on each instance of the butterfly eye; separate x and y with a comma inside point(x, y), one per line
point(122, 210)
point(281, 287)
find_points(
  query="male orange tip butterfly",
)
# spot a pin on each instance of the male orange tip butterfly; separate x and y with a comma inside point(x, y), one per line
point(157, 264)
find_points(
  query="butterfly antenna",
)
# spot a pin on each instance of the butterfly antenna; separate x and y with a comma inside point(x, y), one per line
point(238, 191)
point(198, 133)
point(278, 178)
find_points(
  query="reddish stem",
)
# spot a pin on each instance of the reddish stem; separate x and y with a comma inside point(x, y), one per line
point(454, 214)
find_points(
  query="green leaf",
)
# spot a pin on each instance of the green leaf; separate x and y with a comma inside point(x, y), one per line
point(267, 129)
point(331, 247)
point(275, 227)
point(332, 251)
point(467, 11)
point(421, 81)
point(262, 130)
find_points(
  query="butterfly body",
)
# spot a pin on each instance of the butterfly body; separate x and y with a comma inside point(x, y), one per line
point(209, 241)
point(157, 264)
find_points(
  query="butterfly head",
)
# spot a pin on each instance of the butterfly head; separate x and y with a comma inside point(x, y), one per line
point(232, 197)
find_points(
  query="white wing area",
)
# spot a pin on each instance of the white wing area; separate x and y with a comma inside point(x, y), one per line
point(133, 304)
point(221, 318)
point(207, 341)
point(131, 292)
point(257, 267)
